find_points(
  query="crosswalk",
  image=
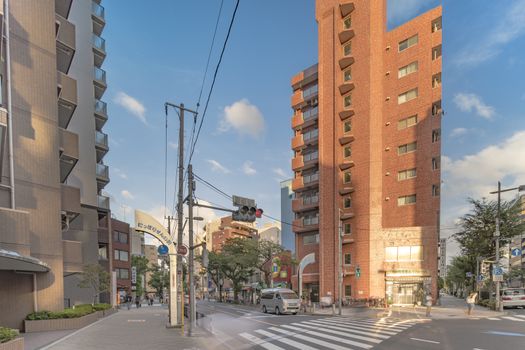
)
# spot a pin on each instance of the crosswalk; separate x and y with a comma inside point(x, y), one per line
point(338, 333)
point(513, 318)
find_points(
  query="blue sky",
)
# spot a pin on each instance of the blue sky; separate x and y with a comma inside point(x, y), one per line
point(158, 53)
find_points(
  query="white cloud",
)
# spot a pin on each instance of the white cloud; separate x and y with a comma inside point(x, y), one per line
point(280, 172)
point(218, 167)
point(126, 194)
point(457, 132)
point(248, 168)
point(132, 105)
point(471, 102)
point(119, 173)
point(244, 118)
point(511, 26)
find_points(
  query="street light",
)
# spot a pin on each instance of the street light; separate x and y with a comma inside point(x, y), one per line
point(521, 188)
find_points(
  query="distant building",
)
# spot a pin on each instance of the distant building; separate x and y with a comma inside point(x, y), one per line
point(211, 227)
point(121, 257)
point(271, 232)
point(137, 242)
point(287, 216)
point(231, 229)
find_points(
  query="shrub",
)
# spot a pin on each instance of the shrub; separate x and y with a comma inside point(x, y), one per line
point(7, 334)
point(100, 307)
point(40, 315)
point(77, 311)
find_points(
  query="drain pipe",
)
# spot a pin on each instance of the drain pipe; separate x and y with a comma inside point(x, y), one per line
point(9, 106)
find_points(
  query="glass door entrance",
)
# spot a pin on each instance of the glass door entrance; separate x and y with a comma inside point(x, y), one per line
point(406, 293)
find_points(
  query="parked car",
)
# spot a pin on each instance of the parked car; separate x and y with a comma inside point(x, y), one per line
point(513, 297)
point(280, 301)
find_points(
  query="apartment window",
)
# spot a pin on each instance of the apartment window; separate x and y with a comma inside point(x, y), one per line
point(436, 80)
point(311, 156)
point(347, 152)
point(406, 200)
point(347, 101)
point(122, 274)
point(407, 122)
point(347, 22)
point(347, 229)
point(406, 174)
point(120, 237)
point(347, 177)
point(312, 219)
point(347, 203)
point(310, 91)
point(436, 135)
point(310, 113)
point(405, 44)
point(436, 163)
point(436, 25)
point(347, 126)
point(121, 255)
point(407, 148)
point(406, 70)
point(436, 108)
point(348, 290)
point(347, 75)
point(347, 49)
point(102, 252)
point(435, 190)
point(407, 96)
point(436, 52)
point(311, 239)
point(348, 259)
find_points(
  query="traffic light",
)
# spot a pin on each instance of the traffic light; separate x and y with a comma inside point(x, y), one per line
point(357, 271)
point(247, 211)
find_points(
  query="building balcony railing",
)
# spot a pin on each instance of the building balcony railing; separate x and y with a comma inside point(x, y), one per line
point(297, 163)
point(102, 171)
point(99, 49)
point(101, 145)
point(99, 78)
point(297, 141)
point(305, 203)
point(98, 15)
point(103, 202)
point(101, 114)
point(68, 152)
point(297, 121)
point(306, 224)
point(67, 98)
point(65, 42)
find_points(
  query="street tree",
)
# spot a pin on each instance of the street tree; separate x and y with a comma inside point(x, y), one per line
point(159, 279)
point(457, 271)
point(240, 261)
point(216, 270)
point(266, 251)
point(95, 277)
point(141, 265)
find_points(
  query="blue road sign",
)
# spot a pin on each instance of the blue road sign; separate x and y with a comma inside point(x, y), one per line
point(516, 252)
point(497, 271)
point(469, 274)
point(163, 249)
point(481, 278)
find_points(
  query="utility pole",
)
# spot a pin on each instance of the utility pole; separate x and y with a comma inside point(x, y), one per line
point(340, 261)
point(499, 306)
point(191, 254)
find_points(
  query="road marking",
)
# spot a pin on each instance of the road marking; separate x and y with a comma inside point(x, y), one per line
point(426, 341)
point(512, 318)
point(522, 316)
point(136, 320)
point(331, 337)
point(347, 330)
point(286, 341)
point(313, 340)
point(506, 333)
point(493, 319)
point(260, 342)
point(357, 325)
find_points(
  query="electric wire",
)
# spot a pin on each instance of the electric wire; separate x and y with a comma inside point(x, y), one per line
point(212, 186)
point(166, 166)
point(214, 79)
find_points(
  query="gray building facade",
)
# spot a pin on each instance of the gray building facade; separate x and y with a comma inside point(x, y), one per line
point(287, 216)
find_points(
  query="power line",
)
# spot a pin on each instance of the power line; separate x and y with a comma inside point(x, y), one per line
point(166, 166)
point(212, 186)
point(214, 79)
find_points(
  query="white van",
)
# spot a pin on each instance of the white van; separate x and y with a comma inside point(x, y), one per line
point(280, 301)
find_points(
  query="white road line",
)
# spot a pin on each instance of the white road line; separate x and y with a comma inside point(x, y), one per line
point(493, 319)
point(371, 322)
point(301, 327)
point(359, 326)
point(286, 341)
point(512, 318)
point(326, 344)
point(260, 342)
point(426, 341)
point(522, 316)
point(345, 329)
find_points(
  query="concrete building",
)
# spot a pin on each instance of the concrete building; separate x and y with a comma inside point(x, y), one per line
point(367, 149)
point(231, 229)
point(137, 242)
point(287, 216)
point(271, 232)
point(53, 217)
point(121, 257)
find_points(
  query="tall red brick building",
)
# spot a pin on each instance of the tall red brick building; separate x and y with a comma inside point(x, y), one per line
point(367, 127)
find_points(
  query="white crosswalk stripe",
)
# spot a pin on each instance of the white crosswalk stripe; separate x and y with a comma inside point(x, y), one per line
point(522, 316)
point(336, 333)
point(512, 318)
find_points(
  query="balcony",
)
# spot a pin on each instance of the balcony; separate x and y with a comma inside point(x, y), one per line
point(99, 80)
point(297, 98)
point(62, 7)
point(70, 202)
point(101, 145)
point(103, 203)
point(297, 142)
point(68, 152)
point(306, 225)
point(103, 235)
point(65, 38)
point(67, 99)
point(72, 254)
point(98, 16)
point(347, 239)
point(307, 76)
point(99, 49)
point(101, 114)
point(305, 204)
point(297, 121)
point(297, 184)
point(311, 137)
point(102, 172)
point(297, 163)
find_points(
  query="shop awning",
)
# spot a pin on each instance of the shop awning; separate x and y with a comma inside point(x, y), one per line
point(13, 261)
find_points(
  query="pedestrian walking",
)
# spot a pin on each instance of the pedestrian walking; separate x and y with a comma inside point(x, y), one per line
point(137, 301)
point(128, 301)
point(471, 300)
point(428, 304)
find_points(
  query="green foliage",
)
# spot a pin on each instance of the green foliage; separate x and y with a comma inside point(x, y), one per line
point(7, 334)
point(77, 311)
point(96, 278)
point(265, 251)
point(441, 283)
point(141, 264)
point(239, 262)
point(159, 279)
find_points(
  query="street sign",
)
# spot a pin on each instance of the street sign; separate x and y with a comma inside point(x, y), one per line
point(469, 274)
point(182, 250)
point(497, 278)
point(497, 271)
point(481, 278)
point(163, 249)
point(516, 252)
point(133, 274)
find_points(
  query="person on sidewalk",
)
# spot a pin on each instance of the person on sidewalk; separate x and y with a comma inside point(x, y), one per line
point(428, 304)
point(137, 301)
point(471, 300)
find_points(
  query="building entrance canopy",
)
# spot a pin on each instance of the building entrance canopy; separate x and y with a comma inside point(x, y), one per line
point(10, 260)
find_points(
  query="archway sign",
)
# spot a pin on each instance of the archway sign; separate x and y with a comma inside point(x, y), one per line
point(147, 224)
point(306, 260)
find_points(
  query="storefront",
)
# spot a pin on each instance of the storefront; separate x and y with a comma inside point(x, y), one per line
point(406, 287)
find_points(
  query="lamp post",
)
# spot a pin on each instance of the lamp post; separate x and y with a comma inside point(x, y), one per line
point(499, 305)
